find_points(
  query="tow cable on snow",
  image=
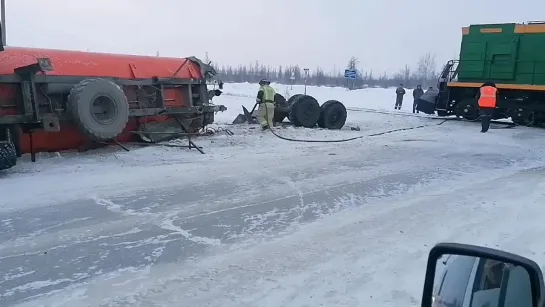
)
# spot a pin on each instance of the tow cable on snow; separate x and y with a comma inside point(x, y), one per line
point(348, 139)
point(506, 125)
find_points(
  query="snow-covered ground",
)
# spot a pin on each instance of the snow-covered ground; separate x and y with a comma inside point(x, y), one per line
point(259, 221)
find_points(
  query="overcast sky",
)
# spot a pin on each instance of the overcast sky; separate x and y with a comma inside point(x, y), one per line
point(384, 35)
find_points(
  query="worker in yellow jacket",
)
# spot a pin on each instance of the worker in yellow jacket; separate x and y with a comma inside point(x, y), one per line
point(265, 100)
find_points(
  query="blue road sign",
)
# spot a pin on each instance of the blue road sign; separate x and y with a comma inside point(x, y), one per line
point(350, 74)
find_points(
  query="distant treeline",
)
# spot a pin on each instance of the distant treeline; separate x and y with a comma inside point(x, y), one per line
point(424, 74)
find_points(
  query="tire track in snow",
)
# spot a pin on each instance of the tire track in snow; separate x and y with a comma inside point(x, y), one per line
point(164, 221)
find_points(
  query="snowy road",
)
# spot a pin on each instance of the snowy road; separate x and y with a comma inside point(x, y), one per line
point(271, 224)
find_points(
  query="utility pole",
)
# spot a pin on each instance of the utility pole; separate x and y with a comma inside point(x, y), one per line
point(3, 16)
point(306, 79)
point(292, 78)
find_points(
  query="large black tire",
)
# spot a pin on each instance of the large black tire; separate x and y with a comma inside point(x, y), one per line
point(99, 107)
point(280, 102)
point(292, 99)
point(289, 104)
point(305, 111)
point(14, 136)
point(281, 109)
point(8, 155)
point(279, 116)
point(332, 115)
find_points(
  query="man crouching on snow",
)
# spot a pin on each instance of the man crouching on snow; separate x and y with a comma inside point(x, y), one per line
point(265, 99)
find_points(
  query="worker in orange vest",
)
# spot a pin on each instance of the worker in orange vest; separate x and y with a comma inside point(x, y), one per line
point(487, 103)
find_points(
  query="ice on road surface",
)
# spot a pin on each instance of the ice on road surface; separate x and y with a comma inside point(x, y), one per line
point(259, 221)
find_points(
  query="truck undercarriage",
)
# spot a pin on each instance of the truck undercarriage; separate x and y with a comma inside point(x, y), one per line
point(61, 100)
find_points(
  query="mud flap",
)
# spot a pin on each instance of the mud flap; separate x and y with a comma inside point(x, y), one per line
point(425, 106)
point(426, 103)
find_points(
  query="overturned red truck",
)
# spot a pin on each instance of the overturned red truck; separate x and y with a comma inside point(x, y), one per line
point(52, 100)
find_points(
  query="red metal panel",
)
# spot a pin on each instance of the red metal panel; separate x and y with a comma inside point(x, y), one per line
point(174, 98)
point(70, 138)
point(78, 63)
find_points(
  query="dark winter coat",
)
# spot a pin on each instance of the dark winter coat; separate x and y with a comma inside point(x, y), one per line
point(400, 91)
point(417, 93)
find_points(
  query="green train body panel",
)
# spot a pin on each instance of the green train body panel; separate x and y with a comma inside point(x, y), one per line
point(495, 52)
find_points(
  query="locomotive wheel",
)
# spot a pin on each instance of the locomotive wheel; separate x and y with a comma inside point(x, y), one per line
point(332, 115)
point(305, 111)
point(523, 117)
point(468, 109)
point(99, 107)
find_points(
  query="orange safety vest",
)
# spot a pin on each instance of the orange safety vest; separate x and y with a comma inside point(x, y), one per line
point(488, 97)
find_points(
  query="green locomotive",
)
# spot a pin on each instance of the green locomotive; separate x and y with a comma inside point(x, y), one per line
point(510, 55)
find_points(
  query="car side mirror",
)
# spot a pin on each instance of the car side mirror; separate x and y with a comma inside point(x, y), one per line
point(469, 275)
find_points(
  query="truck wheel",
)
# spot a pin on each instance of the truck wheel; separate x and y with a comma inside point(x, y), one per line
point(291, 115)
point(280, 101)
point(292, 99)
point(305, 111)
point(279, 116)
point(289, 105)
point(332, 115)
point(8, 155)
point(326, 104)
point(14, 136)
point(281, 109)
point(99, 107)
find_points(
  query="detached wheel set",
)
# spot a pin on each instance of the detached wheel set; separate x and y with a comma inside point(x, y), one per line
point(305, 111)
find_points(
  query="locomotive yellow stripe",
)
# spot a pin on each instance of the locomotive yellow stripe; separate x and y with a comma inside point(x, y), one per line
point(530, 29)
point(527, 87)
point(519, 29)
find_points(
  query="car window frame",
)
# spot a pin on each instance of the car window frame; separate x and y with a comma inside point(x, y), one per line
point(469, 283)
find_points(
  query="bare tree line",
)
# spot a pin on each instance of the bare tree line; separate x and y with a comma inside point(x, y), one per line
point(424, 73)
